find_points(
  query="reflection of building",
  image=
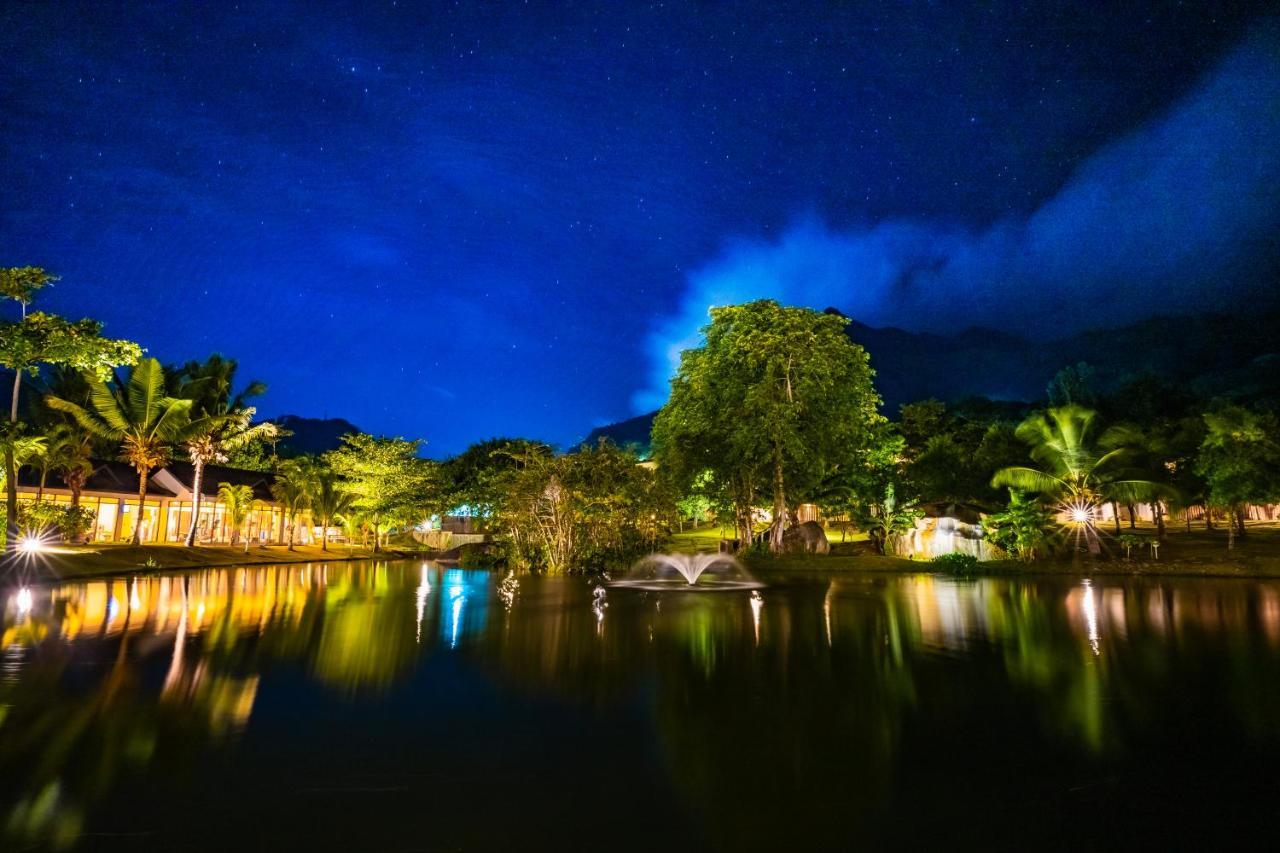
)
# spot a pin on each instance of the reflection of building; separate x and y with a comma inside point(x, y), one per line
point(111, 493)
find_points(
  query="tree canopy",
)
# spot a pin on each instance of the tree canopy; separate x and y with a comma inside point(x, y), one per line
point(773, 399)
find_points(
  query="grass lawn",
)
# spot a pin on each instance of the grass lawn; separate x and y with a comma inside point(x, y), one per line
point(1198, 552)
point(707, 538)
point(69, 561)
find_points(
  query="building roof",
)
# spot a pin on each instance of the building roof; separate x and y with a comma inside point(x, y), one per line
point(215, 475)
point(171, 481)
point(107, 476)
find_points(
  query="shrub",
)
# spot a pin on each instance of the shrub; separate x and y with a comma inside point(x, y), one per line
point(956, 563)
point(1129, 541)
point(45, 519)
point(477, 555)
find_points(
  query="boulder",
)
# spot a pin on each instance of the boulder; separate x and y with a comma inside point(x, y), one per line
point(807, 538)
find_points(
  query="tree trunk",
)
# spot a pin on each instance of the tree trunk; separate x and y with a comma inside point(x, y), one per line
point(74, 486)
point(1208, 517)
point(1239, 521)
point(197, 483)
point(11, 469)
point(44, 475)
point(292, 525)
point(324, 536)
point(779, 504)
point(1133, 517)
point(17, 386)
point(377, 534)
point(11, 501)
point(1115, 511)
point(142, 502)
point(1157, 512)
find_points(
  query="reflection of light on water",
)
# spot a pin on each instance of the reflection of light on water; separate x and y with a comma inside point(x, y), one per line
point(113, 607)
point(598, 605)
point(1090, 615)
point(424, 589)
point(455, 617)
point(826, 614)
point(24, 600)
point(135, 600)
point(508, 589)
point(756, 603)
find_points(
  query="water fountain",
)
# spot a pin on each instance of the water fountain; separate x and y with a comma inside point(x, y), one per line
point(688, 572)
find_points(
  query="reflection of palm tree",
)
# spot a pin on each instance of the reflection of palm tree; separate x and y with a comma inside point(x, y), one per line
point(140, 416)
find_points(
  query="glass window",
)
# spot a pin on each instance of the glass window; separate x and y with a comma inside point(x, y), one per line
point(105, 527)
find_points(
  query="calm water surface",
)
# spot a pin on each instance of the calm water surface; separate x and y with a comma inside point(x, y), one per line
point(409, 707)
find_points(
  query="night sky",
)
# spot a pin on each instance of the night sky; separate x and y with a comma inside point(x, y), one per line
point(459, 221)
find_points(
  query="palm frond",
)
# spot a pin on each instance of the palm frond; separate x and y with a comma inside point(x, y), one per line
point(1029, 480)
point(90, 422)
point(174, 417)
point(146, 390)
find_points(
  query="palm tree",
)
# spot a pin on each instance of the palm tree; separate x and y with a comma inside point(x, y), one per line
point(291, 490)
point(1074, 472)
point(63, 442)
point(329, 501)
point(229, 420)
point(140, 416)
point(237, 500)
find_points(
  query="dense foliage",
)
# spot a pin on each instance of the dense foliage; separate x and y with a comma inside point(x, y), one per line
point(773, 400)
point(589, 510)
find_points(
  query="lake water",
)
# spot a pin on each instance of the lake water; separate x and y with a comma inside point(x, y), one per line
point(412, 707)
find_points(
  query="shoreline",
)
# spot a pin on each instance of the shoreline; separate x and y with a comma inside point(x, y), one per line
point(1246, 568)
point(61, 565)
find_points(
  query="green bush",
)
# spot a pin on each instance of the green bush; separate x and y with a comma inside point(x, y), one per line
point(477, 555)
point(45, 519)
point(956, 563)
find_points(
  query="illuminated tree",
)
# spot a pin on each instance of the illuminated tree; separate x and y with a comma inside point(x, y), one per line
point(588, 510)
point(145, 421)
point(329, 500)
point(41, 338)
point(227, 420)
point(1075, 472)
point(291, 491)
point(1022, 528)
point(773, 399)
point(473, 477)
point(392, 485)
point(1240, 461)
point(236, 501)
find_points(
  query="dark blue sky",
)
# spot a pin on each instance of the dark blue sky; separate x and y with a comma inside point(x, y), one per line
point(457, 221)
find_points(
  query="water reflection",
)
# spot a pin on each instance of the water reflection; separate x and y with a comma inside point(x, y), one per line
point(836, 703)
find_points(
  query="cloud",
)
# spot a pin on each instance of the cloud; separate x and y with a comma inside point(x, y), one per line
point(1180, 214)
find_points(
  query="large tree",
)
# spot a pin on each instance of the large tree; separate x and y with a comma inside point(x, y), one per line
point(391, 483)
point(1240, 460)
point(227, 420)
point(37, 339)
point(139, 415)
point(473, 477)
point(773, 399)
